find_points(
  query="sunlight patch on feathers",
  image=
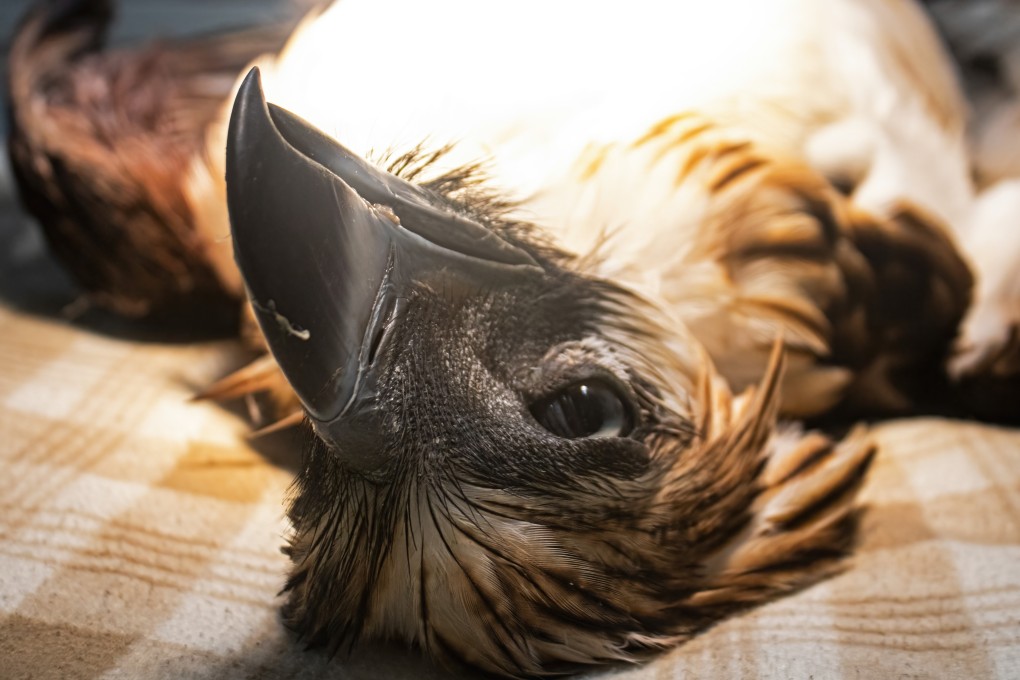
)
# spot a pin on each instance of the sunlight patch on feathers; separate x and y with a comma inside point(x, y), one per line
point(536, 93)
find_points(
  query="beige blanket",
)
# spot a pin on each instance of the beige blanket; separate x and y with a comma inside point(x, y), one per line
point(140, 536)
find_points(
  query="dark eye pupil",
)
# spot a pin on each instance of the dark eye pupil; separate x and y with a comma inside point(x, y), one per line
point(584, 409)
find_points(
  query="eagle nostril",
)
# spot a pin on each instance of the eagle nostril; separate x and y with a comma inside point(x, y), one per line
point(373, 348)
point(381, 329)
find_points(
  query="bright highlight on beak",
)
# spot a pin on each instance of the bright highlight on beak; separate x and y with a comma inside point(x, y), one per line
point(330, 249)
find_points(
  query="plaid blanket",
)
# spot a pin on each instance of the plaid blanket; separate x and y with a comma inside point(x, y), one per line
point(140, 535)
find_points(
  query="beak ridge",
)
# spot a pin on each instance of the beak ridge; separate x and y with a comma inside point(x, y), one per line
point(312, 253)
point(330, 249)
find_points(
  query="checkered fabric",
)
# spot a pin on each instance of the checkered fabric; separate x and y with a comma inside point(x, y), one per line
point(140, 532)
point(140, 535)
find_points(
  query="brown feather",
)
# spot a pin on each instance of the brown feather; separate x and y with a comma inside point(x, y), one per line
point(801, 524)
point(100, 143)
point(867, 303)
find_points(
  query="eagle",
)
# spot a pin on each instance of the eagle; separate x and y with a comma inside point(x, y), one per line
point(559, 291)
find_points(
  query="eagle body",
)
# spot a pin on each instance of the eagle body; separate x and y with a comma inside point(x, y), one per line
point(542, 339)
point(641, 137)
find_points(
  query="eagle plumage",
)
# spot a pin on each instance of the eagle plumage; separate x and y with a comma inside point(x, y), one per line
point(799, 97)
point(546, 433)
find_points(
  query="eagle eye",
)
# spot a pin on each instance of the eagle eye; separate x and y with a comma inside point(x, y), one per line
point(585, 409)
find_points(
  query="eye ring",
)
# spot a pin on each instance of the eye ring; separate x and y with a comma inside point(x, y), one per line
point(585, 409)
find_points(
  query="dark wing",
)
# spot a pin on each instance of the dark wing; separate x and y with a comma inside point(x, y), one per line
point(101, 141)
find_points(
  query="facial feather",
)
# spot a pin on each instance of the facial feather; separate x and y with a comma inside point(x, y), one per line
point(555, 465)
point(512, 555)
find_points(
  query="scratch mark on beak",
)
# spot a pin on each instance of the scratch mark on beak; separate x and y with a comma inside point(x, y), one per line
point(285, 323)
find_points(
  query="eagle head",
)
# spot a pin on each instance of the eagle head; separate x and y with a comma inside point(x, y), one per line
point(515, 465)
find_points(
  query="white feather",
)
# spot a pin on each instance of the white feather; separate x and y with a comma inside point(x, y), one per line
point(531, 85)
point(537, 89)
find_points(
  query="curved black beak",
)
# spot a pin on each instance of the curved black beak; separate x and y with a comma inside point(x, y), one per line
point(329, 248)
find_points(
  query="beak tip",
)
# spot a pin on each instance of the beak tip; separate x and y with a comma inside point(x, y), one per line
point(250, 98)
point(249, 131)
point(251, 87)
